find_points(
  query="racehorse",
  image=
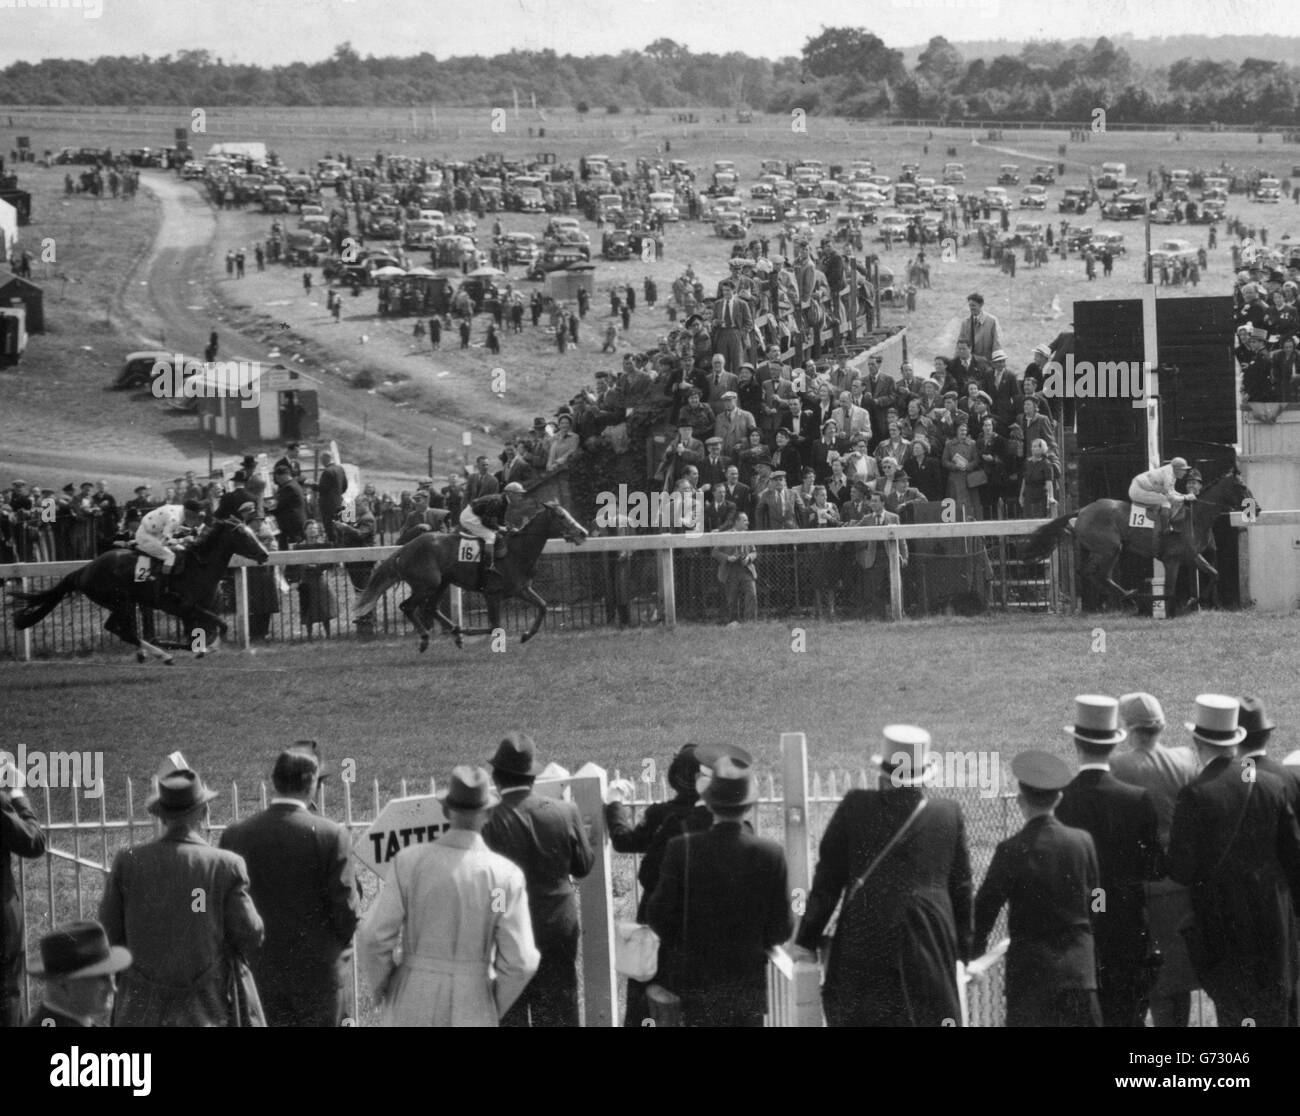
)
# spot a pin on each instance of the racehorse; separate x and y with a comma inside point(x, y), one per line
point(109, 581)
point(432, 562)
point(1103, 531)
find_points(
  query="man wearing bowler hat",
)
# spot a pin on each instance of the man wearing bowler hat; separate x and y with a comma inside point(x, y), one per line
point(547, 839)
point(899, 860)
point(459, 912)
point(1048, 875)
point(1124, 826)
point(1236, 843)
point(79, 967)
point(1259, 726)
point(721, 903)
point(183, 910)
point(300, 872)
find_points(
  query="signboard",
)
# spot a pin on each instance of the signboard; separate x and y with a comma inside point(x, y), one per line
point(403, 822)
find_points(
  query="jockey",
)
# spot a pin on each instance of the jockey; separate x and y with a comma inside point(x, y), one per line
point(1155, 489)
point(484, 516)
point(159, 527)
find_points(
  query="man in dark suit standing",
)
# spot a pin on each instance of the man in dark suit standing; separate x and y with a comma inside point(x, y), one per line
point(873, 560)
point(20, 835)
point(290, 507)
point(330, 487)
point(733, 324)
point(1124, 826)
point(721, 903)
point(547, 839)
point(480, 483)
point(300, 874)
point(1259, 726)
point(1235, 841)
point(1048, 874)
point(739, 494)
point(906, 920)
point(290, 461)
point(713, 467)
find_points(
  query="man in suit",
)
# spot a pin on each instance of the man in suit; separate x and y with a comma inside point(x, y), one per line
point(1003, 391)
point(739, 494)
point(701, 352)
point(719, 380)
point(182, 950)
point(893, 960)
point(422, 518)
point(1236, 843)
point(682, 451)
point(20, 835)
point(481, 482)
point(713, 468)
point(1048, 875)
point(721, 903)
point(330, 487)
point(79, 967)
point(980, 330)
point(1259, 726)
point(291, 461)
point(963, 368)
point(1123, 823)
point(851, 419)
point(733, 425)
point(546, 838)
point(873, 560)
point(719, 512)
point(300, 875)
point(290, 507)
point(733, 324)
point(778, 510)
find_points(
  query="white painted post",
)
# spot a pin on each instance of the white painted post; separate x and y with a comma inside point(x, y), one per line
point(794, 780)
point(1151, 401)
point(457, 607)
point(25, 639)
point(667, 588)
point(895, 578)
point(241, 607)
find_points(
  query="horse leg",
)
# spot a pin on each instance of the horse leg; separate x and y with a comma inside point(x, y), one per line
point(200, 619)
point(122, 624)
point(412, 607)
point(529, 594)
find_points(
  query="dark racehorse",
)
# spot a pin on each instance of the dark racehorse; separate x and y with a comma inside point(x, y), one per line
point(430, 565)
point(109, 581)
point(1103, 532)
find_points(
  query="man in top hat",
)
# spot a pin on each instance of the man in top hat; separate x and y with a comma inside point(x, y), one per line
point(79, 967)
point(183, 909)
point(20, 835)
point(1123, 823)
point(1048, 874)
point(460, 914)
point(546, 838)
point(300, 873)
point(721, 903)
point(1162, 772)
point(900, 862)
point(1236, 843)
point(1156, 488)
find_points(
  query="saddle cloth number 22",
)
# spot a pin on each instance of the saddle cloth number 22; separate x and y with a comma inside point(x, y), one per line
point(142, 568)
point(468, 550)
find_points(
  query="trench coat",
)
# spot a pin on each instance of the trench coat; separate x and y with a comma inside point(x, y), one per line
point(467, 947)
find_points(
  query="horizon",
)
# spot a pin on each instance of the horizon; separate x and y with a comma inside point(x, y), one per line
point(253, 32)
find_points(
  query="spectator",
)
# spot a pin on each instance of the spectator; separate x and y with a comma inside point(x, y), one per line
point(992, 454)
point(924, 471)
point(872, 558)
point(79, 968)
point(20, 835)
point(481, 482)
point(330, 488)
point(316, 603)
point(290, 506)
point(186, 956)
point(721, 903)
point(1037, 485)
point(546, 838)
point(738, 575)
point(895, 486)
point(459, 914)
point(562, 445)
point(960, 456)
point(300, 880)
point(265, 584)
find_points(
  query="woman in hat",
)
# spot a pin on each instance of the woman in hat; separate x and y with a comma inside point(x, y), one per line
point(960, 456)
point(896, 486)
point(923, 470)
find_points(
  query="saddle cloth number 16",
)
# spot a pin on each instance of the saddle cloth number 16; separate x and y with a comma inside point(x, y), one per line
point(468, 550)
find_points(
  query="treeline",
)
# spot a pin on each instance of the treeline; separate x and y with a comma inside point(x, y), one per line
point(842, 71)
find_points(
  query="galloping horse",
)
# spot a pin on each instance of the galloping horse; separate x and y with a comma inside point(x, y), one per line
point(109, 581)
point(431, 563)
point(1104, 531)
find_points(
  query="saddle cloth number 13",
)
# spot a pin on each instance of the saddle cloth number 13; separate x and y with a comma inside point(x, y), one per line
point(1138, 517)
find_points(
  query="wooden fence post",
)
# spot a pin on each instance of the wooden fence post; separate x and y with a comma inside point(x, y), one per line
point(667, 588)
point(241, 607)
point(895, 578)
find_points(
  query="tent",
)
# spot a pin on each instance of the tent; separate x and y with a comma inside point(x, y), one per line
point(13, 289)
point(254, 151)
point(8, 229)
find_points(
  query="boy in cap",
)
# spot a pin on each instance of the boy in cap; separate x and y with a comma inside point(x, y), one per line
point(1048, 875)
point(1123, 823)
point(1236, 843)
point(79, 967)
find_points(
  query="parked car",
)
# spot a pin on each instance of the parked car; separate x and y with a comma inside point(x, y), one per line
point(1076, 200)
point(1033, 197)
point(995, 197)
point(1170, 250)
point(895, 224)
point(1044, 174)
point(954, 174)
point(1109, 241)
point(1009, 174)
point(1077, 237)
point(138, 368)
point(1110, 175)
point(1268, 190)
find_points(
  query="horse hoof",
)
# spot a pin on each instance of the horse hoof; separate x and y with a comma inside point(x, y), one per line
point(139, 656)
point(424, 645)
point(169, 661)
point(199, 654)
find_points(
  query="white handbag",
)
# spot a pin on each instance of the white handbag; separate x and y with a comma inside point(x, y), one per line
point(636, 951)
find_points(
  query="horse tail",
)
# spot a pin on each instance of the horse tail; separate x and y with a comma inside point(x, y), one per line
point(37, 606)
point(1043, 541)
point(382, 577)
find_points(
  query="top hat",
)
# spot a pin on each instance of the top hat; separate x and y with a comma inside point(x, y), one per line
point(1253, 717)
point(732, 785)
point(1041, 771)
point(470, 789)
point(1140, 710)
point(515, 755)
point(908, 761)
point(79, 949)
point(178, 793)
point(1216, 721)
point(1096, 721)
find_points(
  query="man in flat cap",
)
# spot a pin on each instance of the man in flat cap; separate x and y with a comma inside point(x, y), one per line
point(183, 910)
point(80, 970)
point(1123, 823)
point(460, 914)
point(733, 425)
point(547, 839)
point(300, 874)
point(1162, 772)
point(1236, 843)
point(1048, 875)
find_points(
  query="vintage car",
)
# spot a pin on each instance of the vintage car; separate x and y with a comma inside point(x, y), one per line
point(1033, 197)
point(1110, 175)
point(1076, 200)
point(995, 197)
point(1009, 174)
point(764, 212)
point(1268, 190)
point(1024, 231)
point(814, 210)
point(908, 172)
point(665, 204)
point(520, 247)
point(954, 174)
point(1168, 251)
point(556, 258)
point(138, 369)
point(274, 199)
point(1111, 242)
point(1077, 237)
point(895, 226)
point(1044, 175)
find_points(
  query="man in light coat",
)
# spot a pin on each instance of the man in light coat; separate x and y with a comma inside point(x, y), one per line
point(460, 913)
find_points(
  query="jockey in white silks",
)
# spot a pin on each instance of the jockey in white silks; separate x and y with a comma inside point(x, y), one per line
point(1155, 489)
point(161, 526)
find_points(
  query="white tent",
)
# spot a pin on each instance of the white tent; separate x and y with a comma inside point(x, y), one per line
point(254, 151)
point(8, 229)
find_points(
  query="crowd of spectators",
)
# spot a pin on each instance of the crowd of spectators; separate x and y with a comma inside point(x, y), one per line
point(1266, 301)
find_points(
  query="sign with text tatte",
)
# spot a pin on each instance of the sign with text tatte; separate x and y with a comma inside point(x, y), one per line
point(402, 823)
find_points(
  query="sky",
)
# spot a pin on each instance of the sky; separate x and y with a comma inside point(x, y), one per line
point(272, 32)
